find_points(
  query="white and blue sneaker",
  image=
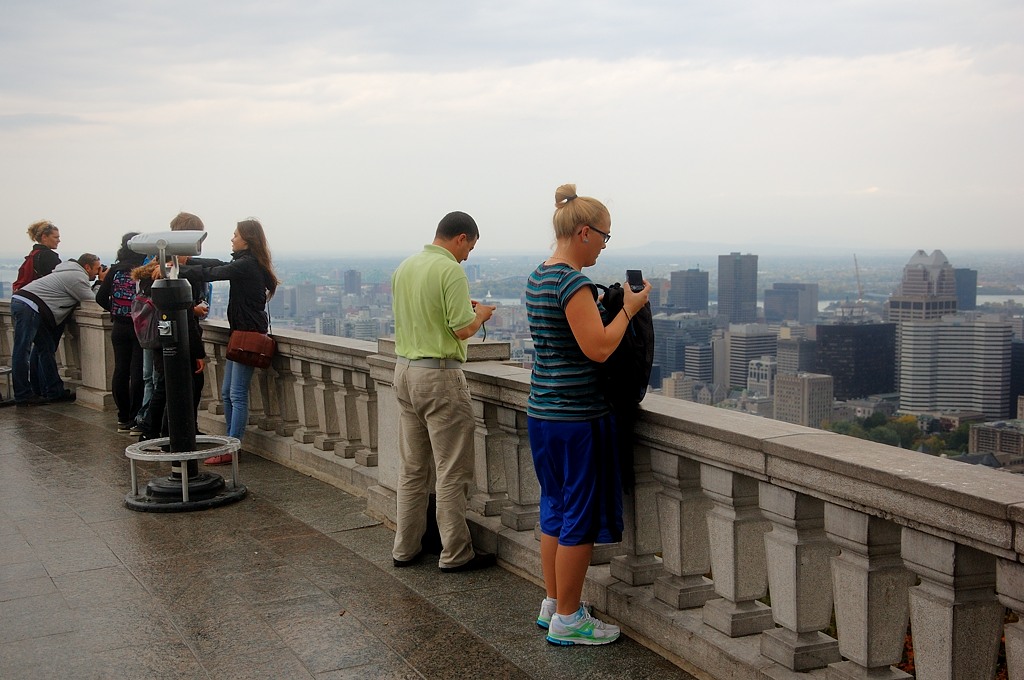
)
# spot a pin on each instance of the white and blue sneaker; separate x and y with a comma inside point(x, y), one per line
point(548, 608)
point(580, 629)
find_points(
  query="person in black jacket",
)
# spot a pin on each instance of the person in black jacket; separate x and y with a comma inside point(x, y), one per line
point(252, 283)
point(115, 295)
point(43, 257)
point(155, 422)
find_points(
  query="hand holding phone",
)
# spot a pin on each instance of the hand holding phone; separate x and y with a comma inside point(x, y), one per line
point(635, 280)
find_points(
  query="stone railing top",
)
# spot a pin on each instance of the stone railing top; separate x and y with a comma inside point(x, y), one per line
point(475, 350)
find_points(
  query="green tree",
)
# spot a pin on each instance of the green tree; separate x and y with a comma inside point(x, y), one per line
point(907, 430)
point(876, 419)
point(885, 434)
point(851, 429)
point(957, 439)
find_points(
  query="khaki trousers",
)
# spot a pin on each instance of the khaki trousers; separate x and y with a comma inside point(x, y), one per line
point(436, 425)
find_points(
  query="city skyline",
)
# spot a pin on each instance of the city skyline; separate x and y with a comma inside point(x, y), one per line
point(354, 128)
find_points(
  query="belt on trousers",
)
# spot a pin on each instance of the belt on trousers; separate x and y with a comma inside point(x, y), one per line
point(431, 363)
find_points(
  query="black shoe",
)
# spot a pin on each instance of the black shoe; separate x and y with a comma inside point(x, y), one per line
point(34, 400)
point(66, 395)
point(479, 561)
point(400, 564)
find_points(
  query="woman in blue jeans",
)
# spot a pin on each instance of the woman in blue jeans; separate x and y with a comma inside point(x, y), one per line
point(252, 283)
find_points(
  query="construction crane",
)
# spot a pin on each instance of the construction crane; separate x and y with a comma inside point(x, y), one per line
point(860, 288)
point(854, 310)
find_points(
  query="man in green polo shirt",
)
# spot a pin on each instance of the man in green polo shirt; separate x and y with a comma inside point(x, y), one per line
point(434, 317)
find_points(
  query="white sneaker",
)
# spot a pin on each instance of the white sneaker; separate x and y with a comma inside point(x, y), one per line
point(585, 630)
point(548, 608)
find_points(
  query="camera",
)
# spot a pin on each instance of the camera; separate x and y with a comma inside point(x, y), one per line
point(635, 280)
point(168, 243)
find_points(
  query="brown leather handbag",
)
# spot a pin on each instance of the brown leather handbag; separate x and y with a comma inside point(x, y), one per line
point(251, 348)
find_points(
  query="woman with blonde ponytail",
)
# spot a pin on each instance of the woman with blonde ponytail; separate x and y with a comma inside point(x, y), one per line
point(571, 426)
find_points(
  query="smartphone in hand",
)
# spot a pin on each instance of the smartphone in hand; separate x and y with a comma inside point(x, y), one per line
point(635, 280)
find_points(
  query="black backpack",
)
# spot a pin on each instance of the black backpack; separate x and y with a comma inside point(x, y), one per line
point(627, 371)
point(625, 374)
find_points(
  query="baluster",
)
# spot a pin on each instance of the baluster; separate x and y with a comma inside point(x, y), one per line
point(798, 554)
point(954, 614)
point(277, 396)
point(682, 519)
point(305, 385)
point(329, 402)
point(641, 539)
point(366, 407)
point(489, 473)
point(521, 513)
point(870, 585)
point(736, 531)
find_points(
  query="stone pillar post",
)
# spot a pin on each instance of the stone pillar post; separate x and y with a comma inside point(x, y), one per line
point(871, 594)
point(88, 335)
point(682, 520)
point(521, 512)
point(736, 530)
point(305, 385)
point(283, 389)
point(954, 614)
point(798, 577)
point(365, 389)
point(330, 409)
point(641, 539)
point(489, 469)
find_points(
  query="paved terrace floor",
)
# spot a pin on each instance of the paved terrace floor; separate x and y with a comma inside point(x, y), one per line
point(294, 581)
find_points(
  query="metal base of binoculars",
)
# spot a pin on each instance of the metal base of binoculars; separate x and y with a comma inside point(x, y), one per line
point(201, 490)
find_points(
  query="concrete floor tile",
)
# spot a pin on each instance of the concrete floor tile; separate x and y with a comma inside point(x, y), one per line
point(17, 589)
point(95, 587)
point(37, 616)
point(20, 571)
point(74, 556)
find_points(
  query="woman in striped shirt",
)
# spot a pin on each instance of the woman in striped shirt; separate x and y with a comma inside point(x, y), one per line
point(570, 424)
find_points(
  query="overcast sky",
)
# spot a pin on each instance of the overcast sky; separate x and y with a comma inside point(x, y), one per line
point(354, 126)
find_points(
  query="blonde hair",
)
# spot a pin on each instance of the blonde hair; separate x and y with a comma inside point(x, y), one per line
point(40, 229)
point(573, 212)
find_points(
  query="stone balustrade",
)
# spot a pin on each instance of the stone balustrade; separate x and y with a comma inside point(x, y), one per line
point(745, 538)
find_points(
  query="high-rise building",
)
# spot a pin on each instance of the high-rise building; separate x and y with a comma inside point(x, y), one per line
point(282, 305)
point(746, 342)
point(737, 288)
point(952, 364)
point(330, 325)
point(860, 357)
point(1016, 376)
point(927, 291)
point(791, 302)
point(689, 291)
point(803, 399)
point(796, 355)
point(966, 289)
point(761, 377)
point(672, 334)
point(659, 292)
point(353, 282)
point(700, 362)
point(305, 300)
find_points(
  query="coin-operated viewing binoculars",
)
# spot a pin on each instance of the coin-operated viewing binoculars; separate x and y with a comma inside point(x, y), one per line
point(185, 488)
